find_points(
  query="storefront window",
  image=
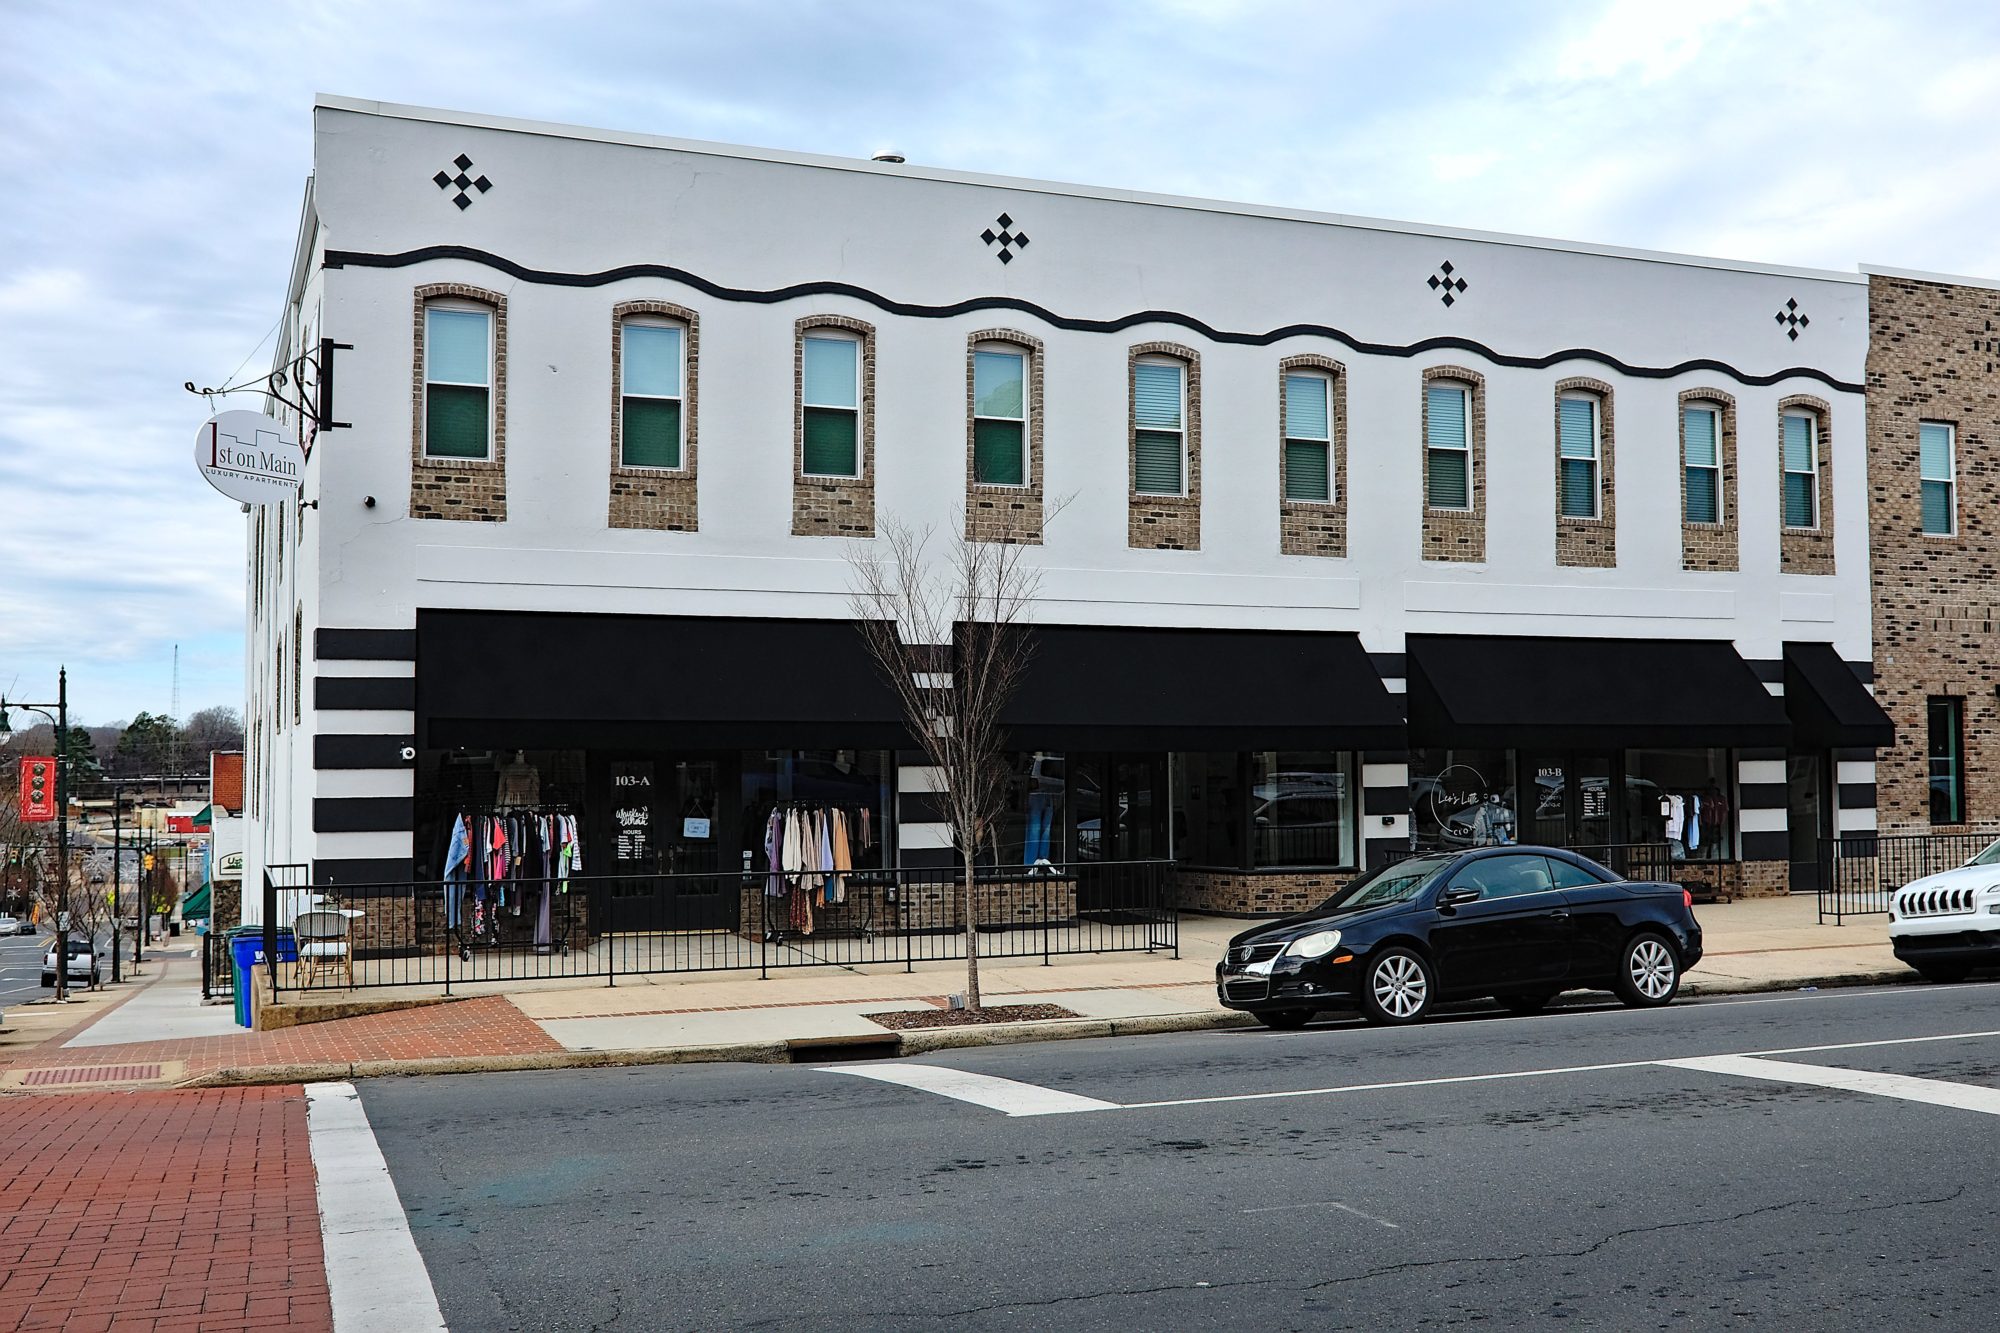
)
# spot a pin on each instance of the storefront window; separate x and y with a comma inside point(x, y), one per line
point(1463, 798)
point(1031, 827)
point(856, 781)
point(1301, 808)
point(1681, 798)
point(1209, 809)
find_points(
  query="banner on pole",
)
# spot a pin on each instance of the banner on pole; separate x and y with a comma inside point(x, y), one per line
point(38, 788)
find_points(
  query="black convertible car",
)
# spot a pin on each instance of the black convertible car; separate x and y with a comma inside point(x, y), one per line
point(1521, 924)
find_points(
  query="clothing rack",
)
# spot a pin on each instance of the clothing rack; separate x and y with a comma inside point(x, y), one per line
point(477, 924)
point(805, 899)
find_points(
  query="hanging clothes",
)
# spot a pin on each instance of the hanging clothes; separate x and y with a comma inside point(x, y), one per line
point(774, 851)
point(843, 856)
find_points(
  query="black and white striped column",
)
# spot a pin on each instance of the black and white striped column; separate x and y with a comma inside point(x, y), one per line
point(364, 720)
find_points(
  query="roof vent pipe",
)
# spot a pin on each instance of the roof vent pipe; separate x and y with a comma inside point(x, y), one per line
point(887, 157)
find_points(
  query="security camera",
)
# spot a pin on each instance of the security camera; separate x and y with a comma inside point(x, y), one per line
point(409, 753)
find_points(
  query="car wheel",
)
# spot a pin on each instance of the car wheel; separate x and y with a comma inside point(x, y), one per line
point(1524, 1004)
point(1943, 973)
point(48, 978)
point(1285, 1020)
point(1398, 987)
point(1649, 973)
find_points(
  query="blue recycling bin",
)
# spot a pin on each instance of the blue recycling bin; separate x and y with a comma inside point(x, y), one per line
point(246, 953)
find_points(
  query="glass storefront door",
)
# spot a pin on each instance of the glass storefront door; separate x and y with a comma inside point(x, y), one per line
point(1808, 815)
point(1567, 799)
point(1120, 804)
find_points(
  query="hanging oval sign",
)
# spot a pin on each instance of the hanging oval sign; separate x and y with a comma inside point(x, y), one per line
point(249, 457)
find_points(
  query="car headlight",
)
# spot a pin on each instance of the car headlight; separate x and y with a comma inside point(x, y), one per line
point(1316, 945)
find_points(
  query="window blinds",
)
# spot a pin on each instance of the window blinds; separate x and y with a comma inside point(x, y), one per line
point(1576, 433)
point(1934, 446)
point(1702, 470)
point(1448, 466)
point(1156, 409)
point(1801, 473)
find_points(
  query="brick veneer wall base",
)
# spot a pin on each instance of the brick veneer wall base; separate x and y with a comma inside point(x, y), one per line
point(466, 489)
point(1164, 522)
point(1589, 542)
point(1809, 550)
point(1011, 514)
point(1456, 534)
point(833, 506)
point(1236, 891)
point(658, 498)
point(1310, 527)
point(1934, 355)
point(1711, 546)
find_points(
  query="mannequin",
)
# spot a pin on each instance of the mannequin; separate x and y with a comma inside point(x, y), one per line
point(520, 783)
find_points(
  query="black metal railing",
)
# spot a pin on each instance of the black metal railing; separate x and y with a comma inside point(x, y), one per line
point(1861, 872)
point(218, 974)
point(521, 930)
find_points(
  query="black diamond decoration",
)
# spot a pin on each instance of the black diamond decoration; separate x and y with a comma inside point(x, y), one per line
point(1791, 321)
point(1006, 238)
point(462, 182)
point(1445, 284)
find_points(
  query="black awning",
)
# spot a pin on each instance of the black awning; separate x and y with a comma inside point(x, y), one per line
point(1090, 687)
point(1586, 693)
point(1829, 707)
point(542, 680)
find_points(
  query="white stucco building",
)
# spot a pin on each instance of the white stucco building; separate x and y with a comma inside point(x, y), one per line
point(1349, 533)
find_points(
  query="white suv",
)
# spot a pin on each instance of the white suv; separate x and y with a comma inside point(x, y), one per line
point(1947, 924)
point(82, 962)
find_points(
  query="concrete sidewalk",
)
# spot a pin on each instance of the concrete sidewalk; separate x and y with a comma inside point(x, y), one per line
point(153, 1037)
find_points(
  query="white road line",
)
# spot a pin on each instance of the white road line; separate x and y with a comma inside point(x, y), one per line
point(1933, 1092)
point(1330, 1203)
point(999, 1094)
point(374, 1275)
point(1025, 1099)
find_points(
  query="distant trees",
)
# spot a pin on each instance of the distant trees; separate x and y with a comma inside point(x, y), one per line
point(149, 745)
point(210, 729)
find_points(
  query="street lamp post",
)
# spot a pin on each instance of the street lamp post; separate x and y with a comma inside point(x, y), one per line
point(61, 719)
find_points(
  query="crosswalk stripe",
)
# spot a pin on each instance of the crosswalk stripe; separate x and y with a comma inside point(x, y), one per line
point(376, 1279)
point(1932, 1092)
point(998, 1094)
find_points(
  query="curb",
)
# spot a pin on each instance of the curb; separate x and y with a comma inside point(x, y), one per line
point(919, 1041)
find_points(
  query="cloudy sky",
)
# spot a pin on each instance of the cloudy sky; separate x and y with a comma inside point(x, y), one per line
point(152, 157)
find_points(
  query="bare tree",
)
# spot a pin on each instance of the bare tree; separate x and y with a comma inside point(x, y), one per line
point(948, 631)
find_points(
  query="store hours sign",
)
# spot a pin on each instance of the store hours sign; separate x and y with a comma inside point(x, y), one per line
point(249, 457)
point(632, 813)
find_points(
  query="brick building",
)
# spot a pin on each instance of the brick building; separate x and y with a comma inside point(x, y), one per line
point(1934, 519)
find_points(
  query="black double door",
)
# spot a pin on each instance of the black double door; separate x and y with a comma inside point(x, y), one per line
point(661, 846)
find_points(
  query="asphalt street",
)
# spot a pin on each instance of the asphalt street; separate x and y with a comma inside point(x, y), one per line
point(21, 969)
point(1535, 1172)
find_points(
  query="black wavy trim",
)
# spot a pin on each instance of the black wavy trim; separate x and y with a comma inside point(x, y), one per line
point(362, 259)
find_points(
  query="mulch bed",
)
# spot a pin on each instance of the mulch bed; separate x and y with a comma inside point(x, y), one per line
point(958, 1018)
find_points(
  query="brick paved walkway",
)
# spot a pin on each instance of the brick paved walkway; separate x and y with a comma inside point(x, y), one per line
point(152, 1212)
point(490, 1025)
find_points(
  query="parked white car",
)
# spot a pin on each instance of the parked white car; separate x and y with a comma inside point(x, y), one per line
point(1947, 924)
point(14, 925)
point(82, 962)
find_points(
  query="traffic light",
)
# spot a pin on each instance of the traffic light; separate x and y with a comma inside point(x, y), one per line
point(147, 861)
